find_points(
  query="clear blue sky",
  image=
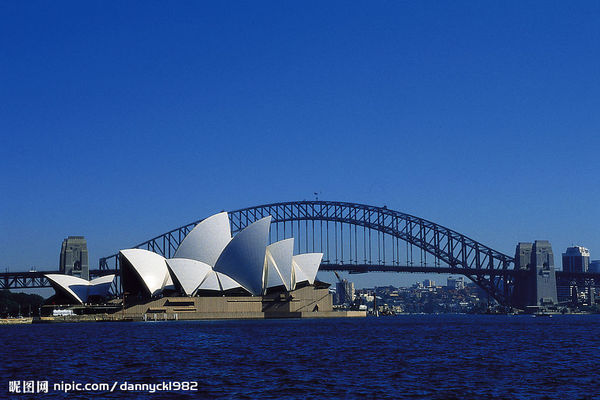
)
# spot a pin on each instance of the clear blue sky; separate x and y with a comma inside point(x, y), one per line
point(122, 120)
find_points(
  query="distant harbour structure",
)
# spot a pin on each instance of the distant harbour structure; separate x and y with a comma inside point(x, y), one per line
point(576, 259)
point(537, 287)
point(455, 283)
point(74, 257)
point(579, 291)
point(594, 266)
point(344, 292)
point(428, 283)
point(543, 262)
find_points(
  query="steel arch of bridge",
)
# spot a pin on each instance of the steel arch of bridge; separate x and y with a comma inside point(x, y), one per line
point(452, 252)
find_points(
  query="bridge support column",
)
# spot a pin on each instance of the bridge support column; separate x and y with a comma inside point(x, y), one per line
point(535, 286)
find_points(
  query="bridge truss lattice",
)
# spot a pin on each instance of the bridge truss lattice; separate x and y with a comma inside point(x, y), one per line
point(362, 238)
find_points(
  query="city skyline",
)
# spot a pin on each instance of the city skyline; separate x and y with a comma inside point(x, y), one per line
point(480, 118)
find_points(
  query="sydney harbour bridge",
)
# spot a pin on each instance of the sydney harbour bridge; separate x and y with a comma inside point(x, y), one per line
point(357, 238)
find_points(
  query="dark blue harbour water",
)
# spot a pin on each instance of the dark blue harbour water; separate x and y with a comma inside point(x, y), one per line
point(420, 356)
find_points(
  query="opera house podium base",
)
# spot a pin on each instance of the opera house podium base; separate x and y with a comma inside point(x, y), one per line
point(306, 302)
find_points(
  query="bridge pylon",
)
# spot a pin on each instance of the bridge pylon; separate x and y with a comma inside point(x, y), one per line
point(535, 284)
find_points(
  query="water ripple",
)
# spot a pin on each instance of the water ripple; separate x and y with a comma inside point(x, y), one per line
point(412, 357)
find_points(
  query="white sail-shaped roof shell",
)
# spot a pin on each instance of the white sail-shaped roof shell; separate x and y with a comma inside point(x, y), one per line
point(279, 264)
point(210, 282)
point(273, 278)
point(207, 240)
point(243, 259)
point(298, 275)
point(189, 274)
point(309, 263)
point(72, 286)
point(168, 285)
point(79, 289)
point(100, 286)
point(226, 282)
point(151, 268)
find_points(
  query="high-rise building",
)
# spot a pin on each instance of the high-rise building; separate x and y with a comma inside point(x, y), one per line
point(344, 292)
point(576, 259)
point(594, 266)
point(428, 283)
point(455, 283)
point(74, 257)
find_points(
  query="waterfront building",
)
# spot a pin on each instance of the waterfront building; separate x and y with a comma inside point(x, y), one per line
point(367, 298)
point(428, 283)
point(344, 292)
point(455, 283)
point(594, 266)
point(74, 257)
point(576, 259)
point(563, 290)
point(574, 294)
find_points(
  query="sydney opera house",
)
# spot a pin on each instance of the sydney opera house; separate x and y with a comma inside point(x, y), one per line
point(72, 289)
point(213, 275)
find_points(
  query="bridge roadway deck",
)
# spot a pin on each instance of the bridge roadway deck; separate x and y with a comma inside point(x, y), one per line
point(36, 279)
point(364, 268)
